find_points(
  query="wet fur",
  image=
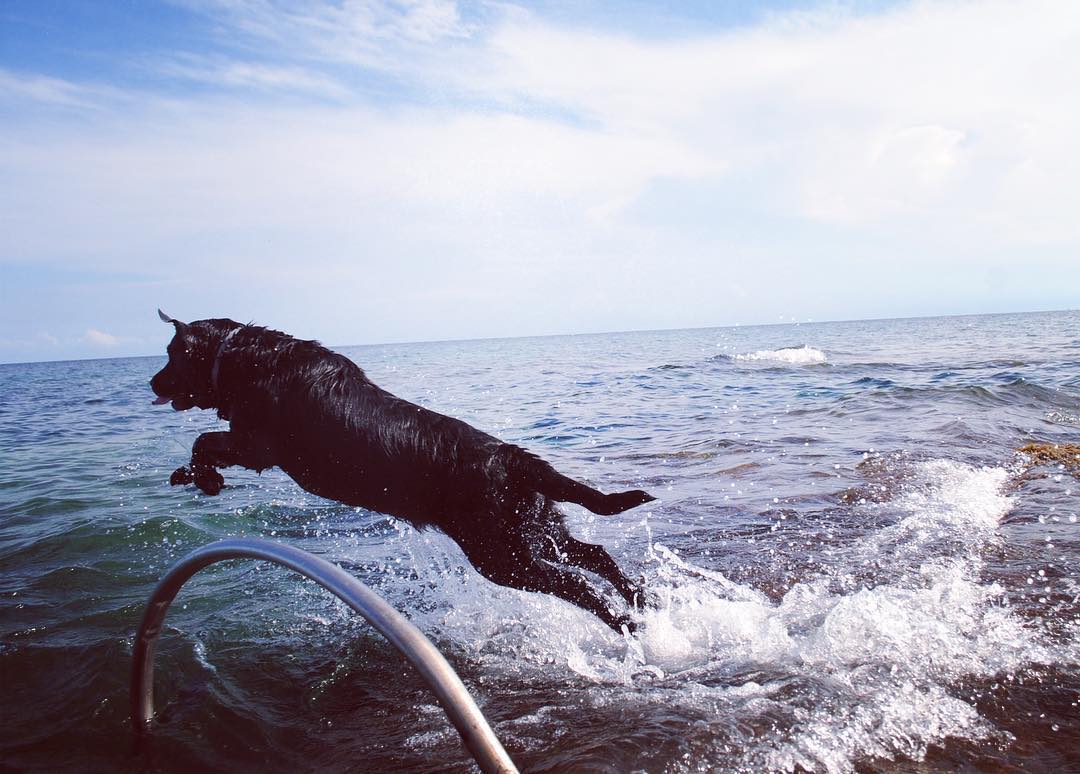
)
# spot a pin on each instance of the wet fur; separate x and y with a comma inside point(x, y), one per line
point(313, 413)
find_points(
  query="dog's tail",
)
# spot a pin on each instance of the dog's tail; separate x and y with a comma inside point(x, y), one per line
point(541, 477)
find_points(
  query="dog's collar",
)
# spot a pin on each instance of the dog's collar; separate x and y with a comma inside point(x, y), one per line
point(217, 359)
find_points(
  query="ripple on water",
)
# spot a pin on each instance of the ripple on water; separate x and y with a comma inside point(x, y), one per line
point(821, 606)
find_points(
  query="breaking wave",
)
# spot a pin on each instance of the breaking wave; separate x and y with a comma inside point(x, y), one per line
point(804, 355)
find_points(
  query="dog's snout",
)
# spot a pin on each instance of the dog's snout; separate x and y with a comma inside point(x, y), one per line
point(162, 382)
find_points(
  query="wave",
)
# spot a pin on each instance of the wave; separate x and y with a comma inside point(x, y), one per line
point(803, 355)
point(840, 669)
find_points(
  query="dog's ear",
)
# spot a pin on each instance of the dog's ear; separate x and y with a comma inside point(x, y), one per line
point(165, 318)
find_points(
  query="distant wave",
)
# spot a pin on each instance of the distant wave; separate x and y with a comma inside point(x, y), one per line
point(804, 355)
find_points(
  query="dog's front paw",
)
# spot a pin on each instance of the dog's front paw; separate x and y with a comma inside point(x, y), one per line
point(209, 480)
point(181, 476)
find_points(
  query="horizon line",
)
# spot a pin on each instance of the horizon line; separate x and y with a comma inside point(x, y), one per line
point(335, 347)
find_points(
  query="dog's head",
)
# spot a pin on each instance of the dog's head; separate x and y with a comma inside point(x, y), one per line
point(188, 378)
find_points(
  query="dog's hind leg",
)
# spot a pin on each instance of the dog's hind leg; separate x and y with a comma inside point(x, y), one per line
point(515, 567)
point(596, 559)
point(543, 577)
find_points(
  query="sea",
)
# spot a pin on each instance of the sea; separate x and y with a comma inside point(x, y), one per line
point(855, 568)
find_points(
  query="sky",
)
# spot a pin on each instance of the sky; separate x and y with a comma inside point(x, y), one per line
point(364, 171)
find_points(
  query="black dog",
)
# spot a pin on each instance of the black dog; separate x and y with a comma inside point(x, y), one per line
point(314, 414)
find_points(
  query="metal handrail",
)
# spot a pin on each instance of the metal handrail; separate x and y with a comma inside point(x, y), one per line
point(437, 673)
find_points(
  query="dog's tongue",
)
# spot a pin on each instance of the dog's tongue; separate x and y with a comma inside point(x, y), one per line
point(159, 401)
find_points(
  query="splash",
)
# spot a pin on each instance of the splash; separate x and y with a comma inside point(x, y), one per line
point(843, 670)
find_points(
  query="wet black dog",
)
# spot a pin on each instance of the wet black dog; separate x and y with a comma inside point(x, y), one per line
point(314, 414)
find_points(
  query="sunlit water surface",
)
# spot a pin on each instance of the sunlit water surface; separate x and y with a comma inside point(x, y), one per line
point(855, 569)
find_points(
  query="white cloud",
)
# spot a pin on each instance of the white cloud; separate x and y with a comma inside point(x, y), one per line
point(542, 177)
point(382, 34)
point(19, 87)
point(847, 119)
point(216, 71)
point(98, 338)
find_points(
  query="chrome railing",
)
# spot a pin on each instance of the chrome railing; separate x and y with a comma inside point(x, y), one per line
point(437, 673)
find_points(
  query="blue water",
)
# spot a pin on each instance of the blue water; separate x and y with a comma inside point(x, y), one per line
point(856, 569)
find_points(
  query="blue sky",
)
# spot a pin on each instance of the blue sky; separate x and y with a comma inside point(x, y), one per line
point(390, 171)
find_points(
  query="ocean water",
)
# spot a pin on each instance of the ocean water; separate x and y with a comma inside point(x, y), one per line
point(856, 570)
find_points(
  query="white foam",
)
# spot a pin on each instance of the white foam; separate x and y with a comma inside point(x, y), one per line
point(957, 495)
point(944, 501)
point(804, 355)
point(875, 664)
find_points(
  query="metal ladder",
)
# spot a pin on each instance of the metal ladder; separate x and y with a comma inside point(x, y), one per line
point(437, 673)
